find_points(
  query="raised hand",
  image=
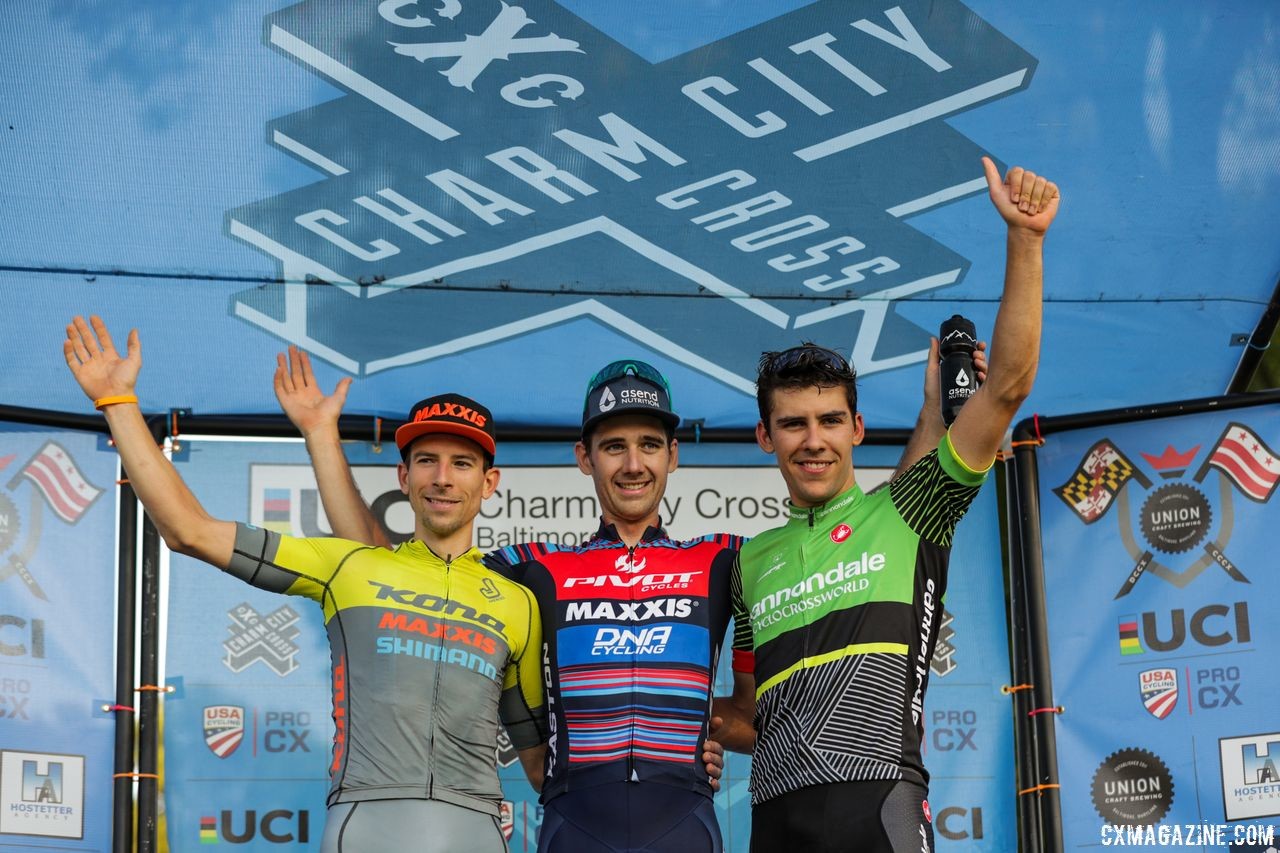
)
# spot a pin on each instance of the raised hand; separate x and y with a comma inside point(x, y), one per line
point(300, 397)
point(94, 362)
point(1024, 199)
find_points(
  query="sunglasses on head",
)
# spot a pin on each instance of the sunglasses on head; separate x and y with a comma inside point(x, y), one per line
point(618, 369)
point(805, 355)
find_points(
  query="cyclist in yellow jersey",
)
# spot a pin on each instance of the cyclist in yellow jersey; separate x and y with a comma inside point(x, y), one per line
point(429, 647)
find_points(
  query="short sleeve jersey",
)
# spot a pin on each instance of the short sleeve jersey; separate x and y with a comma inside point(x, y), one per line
point(632, 640)
point(844, 604)
point(427, 653)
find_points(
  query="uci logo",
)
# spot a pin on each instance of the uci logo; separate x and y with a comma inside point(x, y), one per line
point(1211, 626)
point(276, 827)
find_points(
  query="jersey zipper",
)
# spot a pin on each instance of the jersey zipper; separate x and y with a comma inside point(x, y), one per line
point(631, 749)
point(435, 688)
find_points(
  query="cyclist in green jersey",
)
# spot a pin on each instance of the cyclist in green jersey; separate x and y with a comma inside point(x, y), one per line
point(429, 646)
point(843, 602)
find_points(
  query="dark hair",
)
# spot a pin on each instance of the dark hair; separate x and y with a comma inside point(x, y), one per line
point(805, 366)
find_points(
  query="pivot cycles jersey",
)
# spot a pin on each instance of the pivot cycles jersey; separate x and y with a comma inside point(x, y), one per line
point(632, 640)
point(844, 604)
point(427, 653)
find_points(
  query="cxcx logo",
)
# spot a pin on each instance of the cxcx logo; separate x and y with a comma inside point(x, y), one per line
point(255, 637)
point(1185, 524)
point(694, 175)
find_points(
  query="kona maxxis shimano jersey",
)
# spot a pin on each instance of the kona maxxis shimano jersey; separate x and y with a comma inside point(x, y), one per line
point(427, 653)
point(844, 603)
point(632, 640)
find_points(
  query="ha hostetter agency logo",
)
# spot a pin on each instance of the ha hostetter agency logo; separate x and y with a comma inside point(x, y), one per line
point(1250, 775)
point(41, 794)
point(487, 152)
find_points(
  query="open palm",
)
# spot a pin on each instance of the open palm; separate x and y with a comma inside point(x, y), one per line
point(97, 367)
point(300, 396)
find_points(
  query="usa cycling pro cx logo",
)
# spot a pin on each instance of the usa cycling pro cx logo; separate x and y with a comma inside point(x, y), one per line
point(486, 152)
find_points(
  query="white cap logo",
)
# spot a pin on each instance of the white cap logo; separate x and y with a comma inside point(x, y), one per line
point(606, 400)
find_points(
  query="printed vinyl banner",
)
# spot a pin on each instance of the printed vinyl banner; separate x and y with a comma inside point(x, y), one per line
point(248, 733)
point(497, 197)
point(1159, 548)
point(58, 522)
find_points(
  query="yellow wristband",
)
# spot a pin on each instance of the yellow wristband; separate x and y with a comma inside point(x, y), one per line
point(103, 402)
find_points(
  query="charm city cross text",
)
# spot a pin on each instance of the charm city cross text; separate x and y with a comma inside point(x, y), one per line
point(517, 142)
point(269, 639)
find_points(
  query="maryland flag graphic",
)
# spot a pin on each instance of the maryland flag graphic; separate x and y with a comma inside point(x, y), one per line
point(1095, 484)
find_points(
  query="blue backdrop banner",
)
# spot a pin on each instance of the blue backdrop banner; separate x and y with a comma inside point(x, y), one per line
point(248, 728)
point(1159, 541)
point(58, 501)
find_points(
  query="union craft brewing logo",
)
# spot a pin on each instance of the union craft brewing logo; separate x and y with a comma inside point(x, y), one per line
point(1132, 787)
point(1176, 518)
point(58, 484)
point(1159, 690)
point(766, 175)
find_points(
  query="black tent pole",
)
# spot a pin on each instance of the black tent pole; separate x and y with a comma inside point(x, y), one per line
point(1020, 669)
point(126, 628)
point(148, 676)
point(1040, 710)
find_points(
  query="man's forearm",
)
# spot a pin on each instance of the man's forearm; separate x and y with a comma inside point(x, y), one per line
point(1015, 339)
point(928, 432)
point(349, 516)
point(736, 732)
point(179, 517)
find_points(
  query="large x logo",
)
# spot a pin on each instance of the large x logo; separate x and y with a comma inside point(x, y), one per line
point(735, 198)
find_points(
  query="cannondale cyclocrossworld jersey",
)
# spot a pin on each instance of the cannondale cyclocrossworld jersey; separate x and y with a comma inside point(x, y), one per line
point(632, 640)
point(427, 653)
point(844, 604)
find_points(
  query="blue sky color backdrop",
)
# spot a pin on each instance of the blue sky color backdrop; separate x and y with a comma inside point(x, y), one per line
point(128, 131)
